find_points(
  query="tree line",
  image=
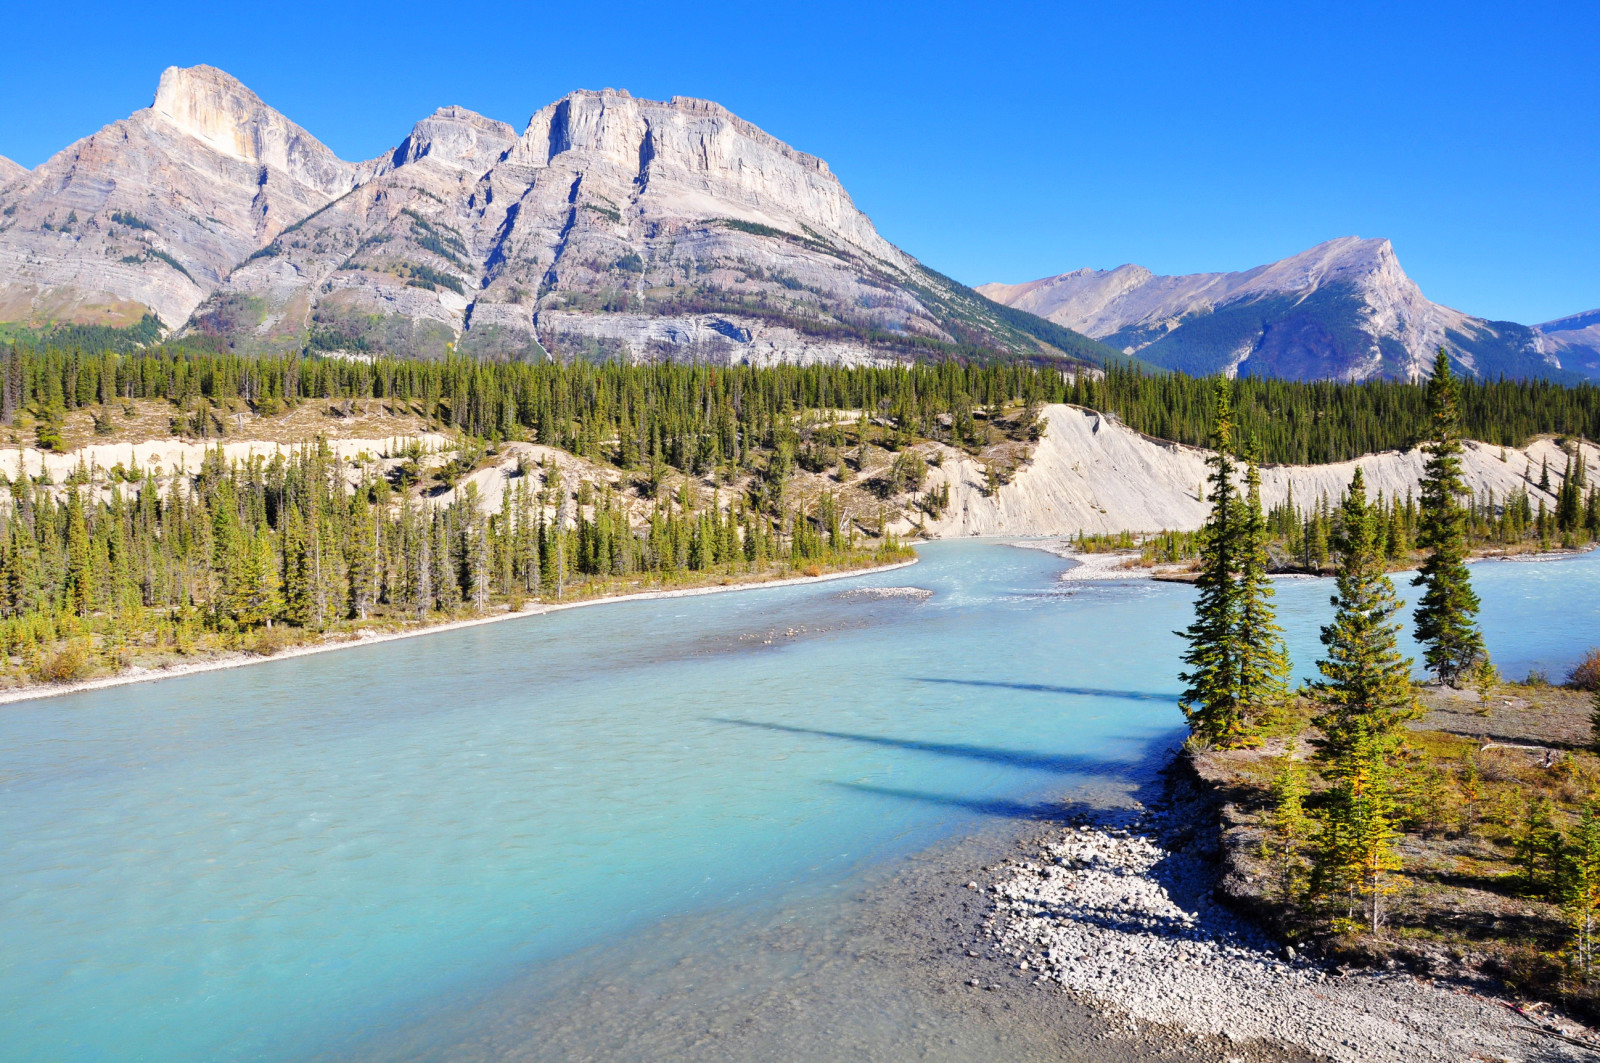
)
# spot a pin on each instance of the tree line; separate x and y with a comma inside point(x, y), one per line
point(91, 570)
point(689, 414)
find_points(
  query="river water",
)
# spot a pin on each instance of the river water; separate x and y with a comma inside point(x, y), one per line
point(540, 838)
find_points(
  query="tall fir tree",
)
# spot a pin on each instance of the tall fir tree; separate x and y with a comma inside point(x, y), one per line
point(296, 570)
point(1366, 699)
point(1210, 700)
point(80, 574)
point(1580, 900)
point(1446, 614)
point(1263, 657)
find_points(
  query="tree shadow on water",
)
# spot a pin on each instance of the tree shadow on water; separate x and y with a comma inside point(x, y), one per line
point(997, 808)
point(1141, 774)
point(1043, 688)
point(1061, 763)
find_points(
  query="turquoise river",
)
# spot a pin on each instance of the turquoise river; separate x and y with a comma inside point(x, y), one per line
point(428, 848)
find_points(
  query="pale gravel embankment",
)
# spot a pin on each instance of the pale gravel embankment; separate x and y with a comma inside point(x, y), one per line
point(1098, 567)
point(1120, 914)
point(1091, 473)
point(241, 659)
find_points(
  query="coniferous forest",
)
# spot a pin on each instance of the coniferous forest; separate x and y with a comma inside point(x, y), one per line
point(675, 407)
point(128, 562)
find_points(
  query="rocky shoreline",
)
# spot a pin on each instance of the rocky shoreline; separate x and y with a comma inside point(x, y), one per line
point(1120, 911)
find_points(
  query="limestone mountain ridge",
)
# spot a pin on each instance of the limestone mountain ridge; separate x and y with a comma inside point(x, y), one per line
point(1344, 309)
point(607, 226)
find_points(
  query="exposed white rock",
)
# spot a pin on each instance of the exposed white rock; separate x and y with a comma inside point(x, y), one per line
point(1124, 918)
point(1091, 473)
point(153, 211)
point(585, 234)
point(609, 226)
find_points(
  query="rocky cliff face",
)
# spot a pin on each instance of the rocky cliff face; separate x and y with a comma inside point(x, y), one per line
point(1344, 309)
point(1574, 341)
point(608, 226)
point(10, 171)
point(151, 213)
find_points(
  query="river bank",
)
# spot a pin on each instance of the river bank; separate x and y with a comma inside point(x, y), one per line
point(240, 658)
point(1118, 911)
point(1101, 566)
point(1151, 913)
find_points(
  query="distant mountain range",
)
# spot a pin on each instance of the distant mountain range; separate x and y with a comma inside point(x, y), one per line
point(611, 226)
point(608, 227)
point(1342, 310)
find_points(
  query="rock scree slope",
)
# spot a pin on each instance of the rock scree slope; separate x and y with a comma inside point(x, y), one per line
point(1091, 473)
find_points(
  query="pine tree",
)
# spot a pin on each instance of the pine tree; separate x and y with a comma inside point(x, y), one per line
point(1537, 849)
point(256, 600)
point(80, 574)
point(1288, 826)
point(1581, 892)
point(361, 546)
point(1446, 614)
point(1210, 701)
point(297, 605)
point(1366, 697)
point(1263, 658)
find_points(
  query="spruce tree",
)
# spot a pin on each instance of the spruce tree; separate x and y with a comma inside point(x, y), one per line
point(1366, 698)
point(297, 605)
point(1581, 890)
point(80, 574)
point(1263, 658)
point(1211, 700)
point(1446, 613)
point(1288, 825)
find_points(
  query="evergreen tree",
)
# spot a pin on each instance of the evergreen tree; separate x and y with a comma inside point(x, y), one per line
point(1263, 658)
point(1366, 698)
point(1446, 613)
point(297, 604)
point(80, 575)
point(1581, 892)
point(1288, 826)
point(1211, 701)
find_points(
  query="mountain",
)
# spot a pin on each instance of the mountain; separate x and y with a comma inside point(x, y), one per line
point(151, 213)
point(608, 226)
point(10, 171)
point(1344, 309)
point(1575, 341)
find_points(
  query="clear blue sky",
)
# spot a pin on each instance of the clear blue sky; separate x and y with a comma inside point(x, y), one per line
point(993, 141)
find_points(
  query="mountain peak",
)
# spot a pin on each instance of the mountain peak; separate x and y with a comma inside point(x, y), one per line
point(456, 137)
point(210, 105)
point(1344, 308)
point(10, 171)
point(215, 108)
